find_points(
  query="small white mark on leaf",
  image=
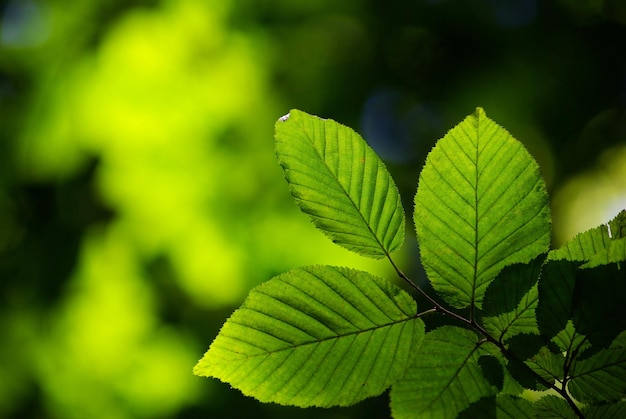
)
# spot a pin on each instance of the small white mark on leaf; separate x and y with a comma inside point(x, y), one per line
point(608, 227)
point(284, 118)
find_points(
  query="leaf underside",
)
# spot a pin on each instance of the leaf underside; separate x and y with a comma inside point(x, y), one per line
point(481, 204)
point(340, 182)
point(316, 336)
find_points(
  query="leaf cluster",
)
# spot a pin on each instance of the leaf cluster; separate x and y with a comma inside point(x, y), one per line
point(535, 332)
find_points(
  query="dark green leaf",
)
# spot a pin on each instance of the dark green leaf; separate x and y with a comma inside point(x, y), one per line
point(481, 204)
point(492, 370)
point(569, 339)
point(316, 336)
point(500, 407)
point(608, 411)
point(340, 182)
point(600, 378)
point(536, 363)
point(445, 378)
point(510, 301)
point(547, 364)
point(553, 407)
point(556, 288)
point(599, 303)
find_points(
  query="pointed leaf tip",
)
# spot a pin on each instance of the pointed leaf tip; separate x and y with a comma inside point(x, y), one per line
point(481, 204)
point(340, 183)
point(316, 336)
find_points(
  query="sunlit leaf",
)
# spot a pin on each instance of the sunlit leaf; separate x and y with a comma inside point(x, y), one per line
point(600, 378)
point(481, 204)
point(445, 378)
point(553, 407)
point(603, 244)
point(316, 336)
point(340, 182)
point(510, 301)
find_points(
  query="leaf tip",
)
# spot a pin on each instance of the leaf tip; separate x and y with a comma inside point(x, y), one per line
point(480, 112)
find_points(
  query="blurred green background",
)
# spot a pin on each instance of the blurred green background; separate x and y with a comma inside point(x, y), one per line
point(139, 195)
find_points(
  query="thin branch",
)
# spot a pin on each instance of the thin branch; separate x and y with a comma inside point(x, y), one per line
point(438, 308)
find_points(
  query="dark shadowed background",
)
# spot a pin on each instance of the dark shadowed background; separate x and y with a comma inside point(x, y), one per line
point(139, 195)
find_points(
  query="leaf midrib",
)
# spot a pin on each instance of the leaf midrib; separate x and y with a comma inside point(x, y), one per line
point(456, 374)
point(304, 344)
point(335, 177)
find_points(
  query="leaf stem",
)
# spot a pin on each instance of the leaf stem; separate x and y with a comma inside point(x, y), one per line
point(437, 307)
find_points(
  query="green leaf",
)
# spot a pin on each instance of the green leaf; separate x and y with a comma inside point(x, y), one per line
point(569, 339)
point(553, 407)
point(603, 244)
point(534, 358)
point(316, 336)
point(501, 406)
point(556, 290)
point(600, 378)
point(615, 410)
point(481, 204)
point(548, 364)
point(513, 407)
point(598, 305)
point(510, 301)
point(445, 378)
point(340, 182)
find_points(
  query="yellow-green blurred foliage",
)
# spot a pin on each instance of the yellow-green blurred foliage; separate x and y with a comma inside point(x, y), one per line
point(177, 110)
point(140, 199)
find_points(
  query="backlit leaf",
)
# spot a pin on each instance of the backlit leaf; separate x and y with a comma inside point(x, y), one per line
point(510, 301)
point(600, 378)
point(615, 410)
point(553, 407)
point(600, 245)
point(340, 182)
point(445, 378)
point(556, 290)
point(502, 406)
point(481, 204)
point(316, 336)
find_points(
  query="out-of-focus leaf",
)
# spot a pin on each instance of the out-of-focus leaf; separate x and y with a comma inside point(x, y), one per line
point(444, 379)
point(316, 336)
point(481, 204)
point(340, 182)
